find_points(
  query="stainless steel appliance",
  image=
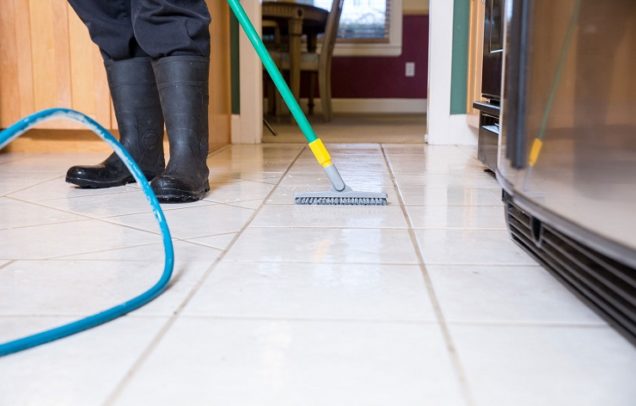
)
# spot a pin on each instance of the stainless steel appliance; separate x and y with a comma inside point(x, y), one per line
point(489, 105)
point(567, 156)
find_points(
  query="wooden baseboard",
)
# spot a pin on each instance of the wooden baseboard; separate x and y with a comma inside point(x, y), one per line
point(57, 141)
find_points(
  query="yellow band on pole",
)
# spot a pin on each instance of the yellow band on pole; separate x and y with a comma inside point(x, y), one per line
point(320, 152)
point(534, 151)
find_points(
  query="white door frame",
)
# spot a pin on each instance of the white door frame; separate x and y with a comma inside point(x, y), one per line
point(443, 128)
point(247, 127)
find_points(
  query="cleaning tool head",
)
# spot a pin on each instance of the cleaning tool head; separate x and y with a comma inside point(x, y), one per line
point(346, 197)
point(340, 193)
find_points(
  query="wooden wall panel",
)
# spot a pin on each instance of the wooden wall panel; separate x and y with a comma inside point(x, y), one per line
point(89, 86)
point(51, 54)
point(48, 60)
point(220, 110)
point(16, 77)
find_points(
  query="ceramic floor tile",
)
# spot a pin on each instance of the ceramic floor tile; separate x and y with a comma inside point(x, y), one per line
point(79, 287)
point(80, 370)
point(11, 157)
point(466, 217)
point(350, 166)
point(238, 190)
point(58, 189)
point(248, 204)
point(501, 294)
point(227, 176)
point(305, 291)
point(11, 182)
point(412, 149)
point(527, 366)
point(57, 163)
point(193, 222)
point(331, 216)
point(473, 179)
point(54, 240)
point(220, 242)
point(375, 246)
point(211, 361)
point(450, 196)
point(470, 247)
point(112, 205)
point(417, 164)
point(185, 253)
point(14, 213)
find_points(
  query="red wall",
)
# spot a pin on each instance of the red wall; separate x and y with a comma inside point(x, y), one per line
point(383, 77)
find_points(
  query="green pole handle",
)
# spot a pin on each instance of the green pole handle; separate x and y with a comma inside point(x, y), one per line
point(272, 69)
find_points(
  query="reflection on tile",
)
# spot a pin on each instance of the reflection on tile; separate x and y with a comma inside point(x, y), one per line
point(529, 365)
point(58, 189)
point(14, 213)
point(11, 182)
point(238, 190)
point(328, 216)
point(193, 222)
point(470, 247)
point(111, 205)
point(457, 178)
point(483, 217)
point(418, 164)
point(77, 237)
point(301, 291)
point(375, 246)
point(184, 253)
point(518, 294)
point(79, 370)
point(450, 196)
point(56, 164)
point(220, 242)
point(41, 287)
point(293, 363)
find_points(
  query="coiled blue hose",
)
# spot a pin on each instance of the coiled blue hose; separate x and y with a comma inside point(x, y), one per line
point(119, 310)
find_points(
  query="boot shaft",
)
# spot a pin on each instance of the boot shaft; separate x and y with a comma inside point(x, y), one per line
point(183, 90)
point(137, 106)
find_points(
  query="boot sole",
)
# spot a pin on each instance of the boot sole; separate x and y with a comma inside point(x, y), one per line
point(92, 184)
point(180, 196)
point(95, 184)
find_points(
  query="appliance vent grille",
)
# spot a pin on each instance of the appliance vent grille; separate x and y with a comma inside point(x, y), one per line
point(608, 286)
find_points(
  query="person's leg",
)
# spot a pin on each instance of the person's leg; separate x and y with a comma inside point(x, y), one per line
point(110, 26)
point(175, 34)
point(134, 93)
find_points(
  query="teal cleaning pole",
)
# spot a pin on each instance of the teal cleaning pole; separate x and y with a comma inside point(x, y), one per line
point(272, 69)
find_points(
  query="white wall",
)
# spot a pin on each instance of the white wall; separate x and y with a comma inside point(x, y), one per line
point(443, 128)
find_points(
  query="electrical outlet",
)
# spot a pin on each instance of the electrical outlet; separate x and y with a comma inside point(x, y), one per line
point(410, 69)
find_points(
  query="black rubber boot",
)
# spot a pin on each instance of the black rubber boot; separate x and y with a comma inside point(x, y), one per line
point(183, 89)
point(138, 112)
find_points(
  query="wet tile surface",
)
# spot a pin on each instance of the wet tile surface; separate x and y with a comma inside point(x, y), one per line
point(424, 301)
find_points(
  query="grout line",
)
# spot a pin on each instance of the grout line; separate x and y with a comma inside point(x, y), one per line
point(450, 345)
point(9, 262)
point(30, 185)
point(121, 385)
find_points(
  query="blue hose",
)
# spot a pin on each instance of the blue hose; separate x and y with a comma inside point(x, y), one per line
point(121, 309)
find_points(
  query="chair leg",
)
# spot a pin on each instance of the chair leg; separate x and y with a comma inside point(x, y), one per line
point(271, 98)
point(312, 86)
point(324, 83)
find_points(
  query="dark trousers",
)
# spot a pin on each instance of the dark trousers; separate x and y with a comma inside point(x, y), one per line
point(126, 29)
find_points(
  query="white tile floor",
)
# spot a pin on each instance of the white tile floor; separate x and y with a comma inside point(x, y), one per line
point(423, 302)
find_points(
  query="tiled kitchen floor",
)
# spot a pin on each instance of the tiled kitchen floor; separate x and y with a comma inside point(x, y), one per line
point(423, 302)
